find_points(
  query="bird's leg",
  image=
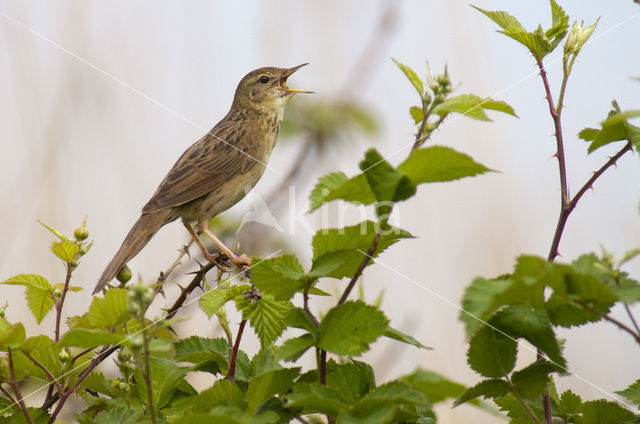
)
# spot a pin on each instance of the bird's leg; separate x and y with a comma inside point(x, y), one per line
point(208, 256)
point(241, 261)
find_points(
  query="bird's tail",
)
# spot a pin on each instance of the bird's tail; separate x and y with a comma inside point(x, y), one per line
point(144, 228)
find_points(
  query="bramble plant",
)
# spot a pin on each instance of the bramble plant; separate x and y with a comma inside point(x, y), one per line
point(152, 361)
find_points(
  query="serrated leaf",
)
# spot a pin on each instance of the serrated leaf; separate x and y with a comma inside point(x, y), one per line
point(603, 412)
point(165, 378)
point(472, 106)
point(265, 386)
point(208, 354)
point(392, 333)
point(11, 335)
point(292, 349)
point(387, 183)
point(65, 250)
point(315, 398)
point(223, 392)
point(266, 315)
point(566, 313)
point(521, 321)
point(214, 298)
point(632, 392)
point(108, 311)
point(85, 338)
point(279, 276)
point(40, 302)
point(348, 329)
point(440, 164)
point(338, 252)
point(298, 318)
point(532, 381)
point(29, 280)
point(615, 128)
point(570, 403)
point(412, 76)
point(336, 185)
point(352, 379)
point(265, 361)
point(491, 353)
point(54, 231)
point(395, 393)
point(588, 134)
point(488, 389)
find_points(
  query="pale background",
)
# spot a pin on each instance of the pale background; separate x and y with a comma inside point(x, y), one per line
point(76, 142)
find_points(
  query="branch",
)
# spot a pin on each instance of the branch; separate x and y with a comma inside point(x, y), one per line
point(305, 297)
point(16, 389)
point(184, 294)
point(60, 302)
point(46, 371)
point(231, 375)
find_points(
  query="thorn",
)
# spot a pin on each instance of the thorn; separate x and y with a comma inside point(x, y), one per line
point(555, 155)
point(558, 254)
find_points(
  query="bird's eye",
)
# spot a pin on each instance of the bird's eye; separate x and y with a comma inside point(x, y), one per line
point(264, 79)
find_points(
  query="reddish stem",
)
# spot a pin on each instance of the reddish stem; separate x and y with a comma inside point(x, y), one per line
point(234, 353)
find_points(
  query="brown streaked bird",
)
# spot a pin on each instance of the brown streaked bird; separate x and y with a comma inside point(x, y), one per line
point(218, 170)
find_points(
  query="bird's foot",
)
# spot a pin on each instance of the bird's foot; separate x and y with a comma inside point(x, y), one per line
point(216, 259)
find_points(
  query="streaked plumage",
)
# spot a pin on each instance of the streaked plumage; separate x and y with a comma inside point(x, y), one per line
point(218, 170)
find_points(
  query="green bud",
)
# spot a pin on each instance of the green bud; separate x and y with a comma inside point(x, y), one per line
point(137, 342)
point(64, 355)
point(578, 36)
point(81, 232)
point(124, 386)
point(123, 354)
point(3, 308)
point(124, 274)
point(134, 307)
point(57, 292)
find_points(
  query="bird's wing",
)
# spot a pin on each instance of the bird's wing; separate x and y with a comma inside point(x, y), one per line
point(205, 166)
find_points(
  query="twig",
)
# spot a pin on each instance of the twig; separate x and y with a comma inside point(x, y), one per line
point(16, 389)
point(231, 375)
point(6, 393)
point(60, 302)
point(614, 321)
point(305, 298)
point(46, 371)
point(631, 317)
point(184, 294)
point(365, 261)
point(323, 367)
point(526, 408)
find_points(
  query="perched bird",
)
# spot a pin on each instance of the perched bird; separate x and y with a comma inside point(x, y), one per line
point(218, 170)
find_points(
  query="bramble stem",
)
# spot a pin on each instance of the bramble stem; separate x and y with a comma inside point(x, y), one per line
point(16, 389)
point(231, 375)
point(147, 372)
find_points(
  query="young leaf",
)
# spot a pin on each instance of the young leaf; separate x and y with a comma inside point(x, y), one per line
point(570, 403)
point(208, 354)
point(603, 412)
point(38, 293)
point(11, 335)
point(392, 333)
point(213, 299)
point(29, 280)
point(488, 389)
point(440, 164)
point(65, 250)
point(223, 392)
point(54, 231)
point(632, 392)
point(491, 353)
point(615, 128)
point(261, 388)
point(348, 329)
point(279, 276)
point(412, 76)
point(338, 252)
point(108, 311)
point(336, 185)
point(395, 393)
point(387, 184)
point(266, 315)
point(472, 106)
point(312, 398)
point(417, 114)
point(165, 378)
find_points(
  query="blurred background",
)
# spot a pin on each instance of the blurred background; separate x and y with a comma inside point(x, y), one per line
point(100, 98)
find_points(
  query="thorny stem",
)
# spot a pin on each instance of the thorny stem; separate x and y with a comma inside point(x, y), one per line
point(60, 302)
point(614, 321)
point(16, 389)
point(234, 353)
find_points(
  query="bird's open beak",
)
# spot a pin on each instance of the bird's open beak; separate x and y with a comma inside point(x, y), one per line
point(287, 74)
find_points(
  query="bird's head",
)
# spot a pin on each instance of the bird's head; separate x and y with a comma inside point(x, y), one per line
point(266, 88)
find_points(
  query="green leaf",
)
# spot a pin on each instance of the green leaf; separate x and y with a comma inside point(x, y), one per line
point(265, 361)
point(352, 380)
point(54, 231)
point(65, 250)
point(566, 313)
point(108, 311)
point(632, 392)
point(11, 335)
point(208, 354)
point(417, 114)
point(214, 298)
point(412, 76)
point(434, 386)
point(298, 318)
point(265, 386)
point(533, 380)
point(510, 404)
point(570, 403)
point(84, 338)
point(338, 252)
point(488, 389)
point(387, 184)
point(392, 333)
point(603, 412)
point(348, 329)
point(266, 315)
point(292, 349)
point(223, 392)
point(165, 378)
point(336, 185)
point(279, 276)
point(481, 300)
point(503, 19)
point(118, 415)
point(559, 24)
point(440, 164)
point(312, 398)
point(395, 393)
point(472, 106)
point(521, 321)
point(491, 353)
point(38, 293)
point(615, 128)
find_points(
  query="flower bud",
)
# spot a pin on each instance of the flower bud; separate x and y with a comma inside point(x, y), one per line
point(57, 292)
point(64, 355)
point(137, 342)
point(81, 232)
point(124, 274)
point(578, 36)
